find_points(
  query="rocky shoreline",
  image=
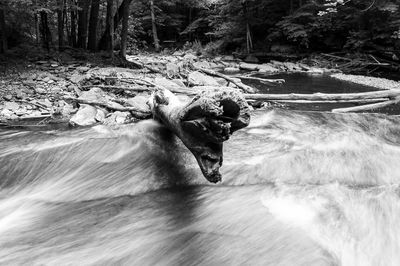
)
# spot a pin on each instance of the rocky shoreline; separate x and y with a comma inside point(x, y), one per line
point(84, 94)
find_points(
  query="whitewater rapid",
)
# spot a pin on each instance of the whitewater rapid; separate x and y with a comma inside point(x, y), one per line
point(299, 188)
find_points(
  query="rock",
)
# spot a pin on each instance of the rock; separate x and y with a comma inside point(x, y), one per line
point(221, 81)
point(197, 78)
point(172, 69)
point(46, 79)
point(231, 70)
point(12, 106)
point(50, 81)
point(45, 102)
point(139, 101)
point(250, 67)
point(202, 64)
point(77, 78)
point(267, 68)
point(315, 70)
point(179, 82)
point(178, 53)
point(228, 58)
point(7, 97)
point(251, 59)
point(40, 90)
point(190, 57)
point(85, 116)
point(56, 89)
point(292, 67)
point(19, 94)
point(7, 114)
point(94, 94)
point(166, 83)
point(83, 69)
point(117, 118)
point(101, 115)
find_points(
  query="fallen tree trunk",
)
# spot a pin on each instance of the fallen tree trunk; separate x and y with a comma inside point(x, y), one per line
point(325, 96)
point(138, 88)
point(361, 101)
point(203, 124)
point(367, 107)
point(136, 112)
point(262, 80)
point(240, 85)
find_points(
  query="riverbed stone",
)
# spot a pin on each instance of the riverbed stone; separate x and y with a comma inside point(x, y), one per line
point(85, 116)
point(197, 78)
point(139, 101)
point(249, 67)
point(166, 83)
point(267, 68)
point(117, 118)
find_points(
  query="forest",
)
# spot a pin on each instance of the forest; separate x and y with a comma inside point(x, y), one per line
point(207, 26)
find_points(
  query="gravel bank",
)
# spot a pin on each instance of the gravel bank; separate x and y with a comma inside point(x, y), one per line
point(379, 83)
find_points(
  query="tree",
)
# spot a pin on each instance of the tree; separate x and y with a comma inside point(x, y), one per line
point(60, 21)
point(124, 32)
point(3, 40)
point(110, 26)
point(154, 27)
point(93, 21)
point(83, 23)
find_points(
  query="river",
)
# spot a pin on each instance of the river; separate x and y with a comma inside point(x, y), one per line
point(299, 188)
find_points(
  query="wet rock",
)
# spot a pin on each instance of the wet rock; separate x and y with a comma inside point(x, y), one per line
point(118, 118)
point(85, 116)
point(197, 78)
point(231, 70)
point(292, 67)
point(139, 101)
point(316, 71)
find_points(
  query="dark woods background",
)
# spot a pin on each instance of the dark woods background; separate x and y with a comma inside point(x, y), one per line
point(209, 26)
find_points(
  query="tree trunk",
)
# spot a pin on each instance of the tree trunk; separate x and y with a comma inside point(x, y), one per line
point(154, 27)
point(367, 107)
point(3, 37)
point(73, 25)
point(94, 17)
point(117, 19)
point(83, 23)
point(124, 32)
point(45, 31)
point(203, 124)
point(60, 22)
point(110, 26)
point(325, 96)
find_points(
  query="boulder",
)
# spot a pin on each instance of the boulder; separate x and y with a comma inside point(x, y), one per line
point(139, 101)
point(94, 94)
point(190, 57)
point(249, 67)
point(267, 68)
point(85, 116)
point(7, 97)
point(202, 64)
point(197, 78)
point(40, 90)
point(101, 115)
point(166, 83)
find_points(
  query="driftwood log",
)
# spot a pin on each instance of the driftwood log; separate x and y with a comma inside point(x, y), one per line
point(202, 124)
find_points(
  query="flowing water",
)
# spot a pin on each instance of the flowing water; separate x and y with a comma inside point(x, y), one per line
point(299, 188)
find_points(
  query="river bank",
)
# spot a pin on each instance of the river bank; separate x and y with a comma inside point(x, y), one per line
point(85, 92)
